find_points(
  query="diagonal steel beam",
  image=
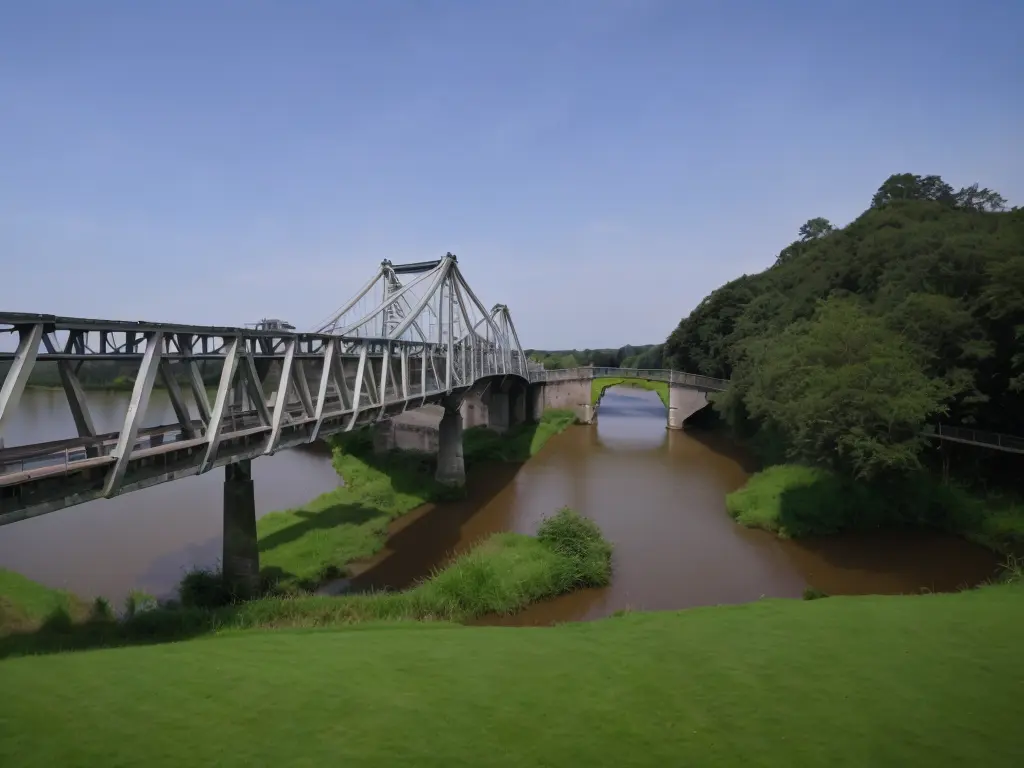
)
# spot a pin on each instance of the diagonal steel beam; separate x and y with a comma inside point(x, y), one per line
point(21, 368)
point(136, 412)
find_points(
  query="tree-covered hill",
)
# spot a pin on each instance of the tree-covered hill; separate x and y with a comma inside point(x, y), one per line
point(857, 337)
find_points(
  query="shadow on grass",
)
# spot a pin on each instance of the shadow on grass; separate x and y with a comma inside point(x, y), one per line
point(329, 517)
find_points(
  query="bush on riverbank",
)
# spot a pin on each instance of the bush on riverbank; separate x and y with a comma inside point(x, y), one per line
point(795, 500)
point(505, 573)
point(598, 386)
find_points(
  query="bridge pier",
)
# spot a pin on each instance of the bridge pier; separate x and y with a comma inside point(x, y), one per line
point(383, 436)
point(498, 411)
point(451, 467)
point(683, 403)
point(474, 411)
point(517, 396)
point(241, 554)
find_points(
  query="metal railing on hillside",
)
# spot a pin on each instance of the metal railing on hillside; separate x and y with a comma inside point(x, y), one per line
point(997, 440)
point(680, 378)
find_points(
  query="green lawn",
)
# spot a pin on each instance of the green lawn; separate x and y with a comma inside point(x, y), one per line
point(598, 386)
point(881, 681)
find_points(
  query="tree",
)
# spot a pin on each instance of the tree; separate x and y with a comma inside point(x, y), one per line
point(843, 389)
point(973, 199)
point(815, 228)
point(910, 186)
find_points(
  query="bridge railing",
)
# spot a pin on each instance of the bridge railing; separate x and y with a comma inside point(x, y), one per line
point(681, 378)
point(996, 440)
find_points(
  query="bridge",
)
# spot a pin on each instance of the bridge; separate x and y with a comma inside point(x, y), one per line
point(412, 335)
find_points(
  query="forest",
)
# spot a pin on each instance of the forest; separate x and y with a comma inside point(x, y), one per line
point(858, 337)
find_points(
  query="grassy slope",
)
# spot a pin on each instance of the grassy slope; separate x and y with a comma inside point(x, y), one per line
point(598, 386)
point(301, 547)
point(795, 500)
point(25, 603)
point(880, 681)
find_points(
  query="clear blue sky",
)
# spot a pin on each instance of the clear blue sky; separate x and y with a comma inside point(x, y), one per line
point(597, 165)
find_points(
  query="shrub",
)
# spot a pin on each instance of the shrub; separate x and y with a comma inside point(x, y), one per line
point(579, 539)
point(203, 588)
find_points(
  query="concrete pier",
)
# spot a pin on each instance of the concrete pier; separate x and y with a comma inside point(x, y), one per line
point(498, 412)
point(517, 405)
point(241, 554)
point(682, 404)
point(451, 467)
point(474, 410)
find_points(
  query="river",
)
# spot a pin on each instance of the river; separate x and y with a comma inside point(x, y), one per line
point(658, 495)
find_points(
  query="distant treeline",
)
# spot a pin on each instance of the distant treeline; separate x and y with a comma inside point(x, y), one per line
point(106, 374)
point(629, 356)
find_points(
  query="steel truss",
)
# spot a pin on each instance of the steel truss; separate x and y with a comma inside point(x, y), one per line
point(393, 346)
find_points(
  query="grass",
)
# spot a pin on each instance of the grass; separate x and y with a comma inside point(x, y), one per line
point(302, 547)
point(598, 386)
point(25, 604)
point(519, 443)
point(870, 681)
point(795, 500)
point(503, 574)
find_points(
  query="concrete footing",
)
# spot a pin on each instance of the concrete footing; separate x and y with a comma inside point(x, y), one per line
point(682, 404)
point(451, 467)
point(241, 554)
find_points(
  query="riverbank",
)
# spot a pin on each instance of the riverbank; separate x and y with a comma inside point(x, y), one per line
point(301, 548)
point(926, 680)
point(598, 387)
point(794, 501)
point(503, 574)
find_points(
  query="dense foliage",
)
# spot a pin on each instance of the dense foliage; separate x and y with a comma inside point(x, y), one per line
point(858, 337)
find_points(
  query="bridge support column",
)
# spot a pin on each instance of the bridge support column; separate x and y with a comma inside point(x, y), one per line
point(474, 411)
point(497, 411)
point(682, 404)
point(517, 405)
point(534, 403)
point(383, 436)
point(451, 467)
point(241, 556)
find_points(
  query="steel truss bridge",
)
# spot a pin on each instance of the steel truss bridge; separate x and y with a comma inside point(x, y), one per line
point(413, 334)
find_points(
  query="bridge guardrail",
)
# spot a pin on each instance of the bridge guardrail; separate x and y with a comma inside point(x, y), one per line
point(978, 437)
point(651, 374)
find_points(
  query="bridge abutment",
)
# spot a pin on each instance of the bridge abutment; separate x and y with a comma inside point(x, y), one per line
point(683, 403)
point(241, 554)
point(573, 394)
point(451, 467)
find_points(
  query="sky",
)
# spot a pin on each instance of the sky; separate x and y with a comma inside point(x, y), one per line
point(597, 165)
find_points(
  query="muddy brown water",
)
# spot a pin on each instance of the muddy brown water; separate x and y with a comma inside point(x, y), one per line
point(658, 495)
